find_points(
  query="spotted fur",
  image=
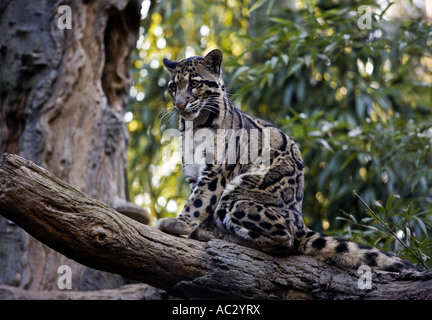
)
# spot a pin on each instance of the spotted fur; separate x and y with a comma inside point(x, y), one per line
point(237, 201)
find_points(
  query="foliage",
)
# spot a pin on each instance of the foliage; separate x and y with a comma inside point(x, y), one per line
point(357, 101)
point(173, 30)
point(392, 226)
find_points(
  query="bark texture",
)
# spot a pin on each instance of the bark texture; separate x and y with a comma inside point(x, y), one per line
point(94, 234)
point(126, 292)
point(62, 98)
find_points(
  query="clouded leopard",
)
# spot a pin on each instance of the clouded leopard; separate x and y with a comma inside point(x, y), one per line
point(256, 203)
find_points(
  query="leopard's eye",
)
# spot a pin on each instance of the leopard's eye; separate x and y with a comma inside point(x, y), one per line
point(193, 83)
point(172, 86)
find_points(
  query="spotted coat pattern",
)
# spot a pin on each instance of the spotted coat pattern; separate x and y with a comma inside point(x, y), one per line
point(240, 202)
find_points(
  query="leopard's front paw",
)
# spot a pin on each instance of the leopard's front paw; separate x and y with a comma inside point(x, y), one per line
point(174, 226)
point(202, 235)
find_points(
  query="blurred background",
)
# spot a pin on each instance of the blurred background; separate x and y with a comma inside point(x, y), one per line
point(349, 81)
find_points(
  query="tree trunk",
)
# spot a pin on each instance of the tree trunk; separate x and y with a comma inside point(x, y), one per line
point(64, 85)
point(92, 233)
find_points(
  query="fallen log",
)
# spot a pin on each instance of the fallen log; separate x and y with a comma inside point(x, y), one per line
point(92, 233)
point(126, 292)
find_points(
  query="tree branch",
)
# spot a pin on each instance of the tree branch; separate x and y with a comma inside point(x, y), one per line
point(96, 235)
point(127, 292)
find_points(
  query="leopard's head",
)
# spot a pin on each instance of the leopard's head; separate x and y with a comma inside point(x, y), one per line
point(196, 84)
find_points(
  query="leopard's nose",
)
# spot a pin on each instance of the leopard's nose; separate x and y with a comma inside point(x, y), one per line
point(181, 106)
point(180, 102)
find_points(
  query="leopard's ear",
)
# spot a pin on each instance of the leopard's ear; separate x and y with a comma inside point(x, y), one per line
point(170, 65)
point(213, 60)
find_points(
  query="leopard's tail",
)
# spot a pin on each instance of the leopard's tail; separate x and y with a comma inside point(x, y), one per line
point(350, 254)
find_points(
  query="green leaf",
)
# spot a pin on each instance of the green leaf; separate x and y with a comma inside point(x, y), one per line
point(240, 70)
point(385, 10)
point(331, 47)
point(270, 6)
point(282, 21)
point(294, 68)
point(257, 5)
point(325, 58)
point(390, 201)
point(326, 145)
point(349, 160)
point(421, 225)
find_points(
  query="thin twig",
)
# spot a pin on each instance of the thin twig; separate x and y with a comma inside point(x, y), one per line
point(389, 230)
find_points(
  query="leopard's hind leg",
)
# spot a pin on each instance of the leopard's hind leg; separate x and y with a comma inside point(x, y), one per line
point(253, 218)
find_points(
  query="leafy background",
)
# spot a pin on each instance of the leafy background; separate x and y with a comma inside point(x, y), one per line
point(357, 100)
